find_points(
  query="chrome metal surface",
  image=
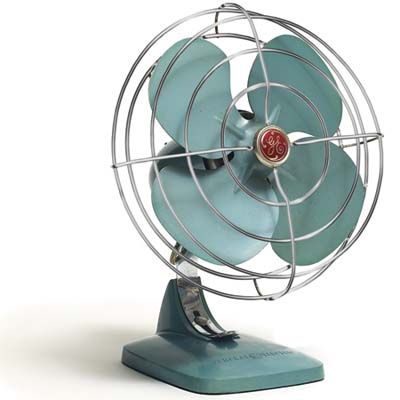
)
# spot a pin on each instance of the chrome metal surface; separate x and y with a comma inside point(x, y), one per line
point(198, 313)
point(359, 138)
point(259, 45)
point(302, 142)
point(180, 155)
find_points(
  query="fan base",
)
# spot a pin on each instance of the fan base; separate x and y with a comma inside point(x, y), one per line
point(246, 364)
point(178, 355)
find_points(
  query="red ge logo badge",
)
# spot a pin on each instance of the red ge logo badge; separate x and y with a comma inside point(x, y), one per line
point(272, 146)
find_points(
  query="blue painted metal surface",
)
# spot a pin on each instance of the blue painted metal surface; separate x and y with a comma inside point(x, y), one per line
point(211, 101)
point(200, 220)
point(298, 175)
point(291, 113)
point(182, 357)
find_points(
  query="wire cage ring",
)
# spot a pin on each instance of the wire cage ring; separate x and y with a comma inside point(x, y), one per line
point(360, 138)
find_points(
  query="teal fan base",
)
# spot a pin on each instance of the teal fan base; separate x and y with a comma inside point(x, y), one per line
point(177, 354)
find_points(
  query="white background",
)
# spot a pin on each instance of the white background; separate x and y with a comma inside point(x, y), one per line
point(77, 282)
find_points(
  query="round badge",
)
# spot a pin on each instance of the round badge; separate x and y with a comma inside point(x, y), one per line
point(272, 146)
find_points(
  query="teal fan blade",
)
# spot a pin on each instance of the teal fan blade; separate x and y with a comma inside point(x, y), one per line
point(292, 113)
point(298, 175)
point(304, 165)
point(172, 148)
point(211, 101)
point(200, 220)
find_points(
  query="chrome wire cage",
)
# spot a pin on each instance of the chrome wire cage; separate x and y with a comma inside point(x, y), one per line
point(356, 103)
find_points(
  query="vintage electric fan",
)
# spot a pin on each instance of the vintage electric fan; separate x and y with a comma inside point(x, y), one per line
point(231, 182)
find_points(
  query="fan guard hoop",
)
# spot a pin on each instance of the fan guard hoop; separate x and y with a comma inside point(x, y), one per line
point(279, 273)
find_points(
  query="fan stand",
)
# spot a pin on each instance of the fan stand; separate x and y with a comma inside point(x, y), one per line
point(216, 361)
